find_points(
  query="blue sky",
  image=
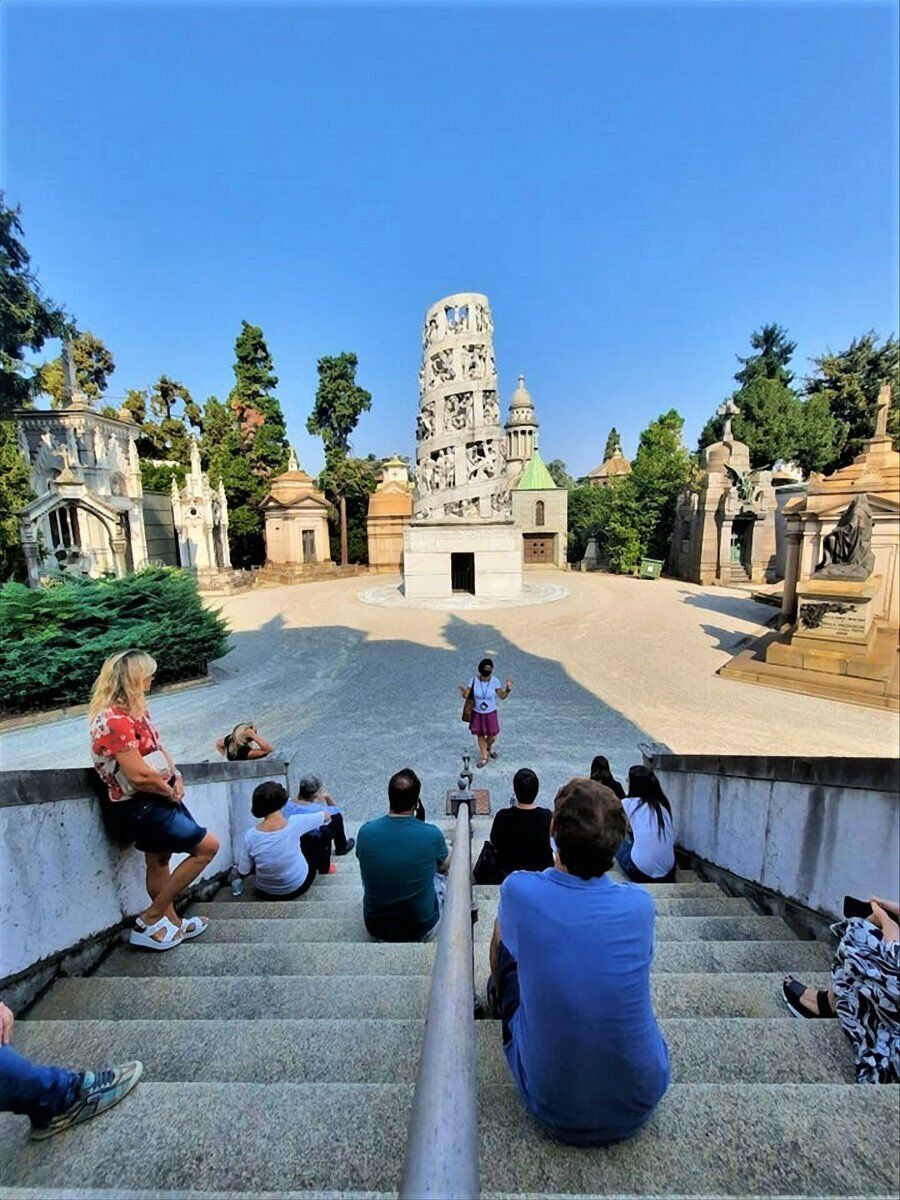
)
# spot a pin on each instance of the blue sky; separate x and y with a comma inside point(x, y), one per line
point(635, 187)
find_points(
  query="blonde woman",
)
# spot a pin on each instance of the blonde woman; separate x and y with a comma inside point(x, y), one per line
point(244, 743)
point(146, 794)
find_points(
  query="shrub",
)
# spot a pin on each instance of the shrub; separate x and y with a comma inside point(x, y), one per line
point(53, 640)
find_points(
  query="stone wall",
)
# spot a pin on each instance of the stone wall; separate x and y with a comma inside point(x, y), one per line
point(64, 882)
point(810, 830)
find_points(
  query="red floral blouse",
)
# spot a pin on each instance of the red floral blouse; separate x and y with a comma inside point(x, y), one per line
point(113, 731)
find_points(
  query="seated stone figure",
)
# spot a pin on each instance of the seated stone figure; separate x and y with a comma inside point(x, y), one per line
point(570, 980)
point(847, 550)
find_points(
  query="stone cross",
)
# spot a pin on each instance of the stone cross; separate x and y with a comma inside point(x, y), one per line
point(882, 407)
point(727, 410)
point(68, 366)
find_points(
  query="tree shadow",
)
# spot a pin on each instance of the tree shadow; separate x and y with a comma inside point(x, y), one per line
point(743, 607)
point(727, 639)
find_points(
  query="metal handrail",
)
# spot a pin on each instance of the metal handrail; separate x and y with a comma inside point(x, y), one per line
point(442, 1141)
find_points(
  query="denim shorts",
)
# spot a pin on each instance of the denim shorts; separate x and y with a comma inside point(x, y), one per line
point(155, 825)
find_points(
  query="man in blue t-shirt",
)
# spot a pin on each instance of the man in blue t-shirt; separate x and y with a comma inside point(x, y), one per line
point(402, 862)
point(570, 979)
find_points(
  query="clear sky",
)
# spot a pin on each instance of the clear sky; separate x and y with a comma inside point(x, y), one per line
point(635, 187)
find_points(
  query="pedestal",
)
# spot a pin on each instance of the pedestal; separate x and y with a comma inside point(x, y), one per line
point(430, 550)
point(837, 611)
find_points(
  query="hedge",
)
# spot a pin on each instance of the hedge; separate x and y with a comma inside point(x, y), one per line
point(53, 640)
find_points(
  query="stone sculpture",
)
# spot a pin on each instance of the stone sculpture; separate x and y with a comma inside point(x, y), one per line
point(847, 550)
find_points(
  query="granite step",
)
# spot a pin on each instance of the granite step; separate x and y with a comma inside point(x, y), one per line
point(318, 958)
point(272, 958)
point(213, 1137)
point(262, 1050)
point(240, 997)
point(699, 929)
point(703, 1050)
point(711, 1140)
point(391, 996)
point(722, 1050)
point(717, 905)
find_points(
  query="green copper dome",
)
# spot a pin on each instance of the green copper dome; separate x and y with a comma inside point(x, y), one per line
point(536, 477)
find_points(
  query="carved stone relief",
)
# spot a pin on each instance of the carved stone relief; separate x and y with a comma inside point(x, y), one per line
point(490, 407)
point(474, 360)
point(442, 367)
point(458, 410)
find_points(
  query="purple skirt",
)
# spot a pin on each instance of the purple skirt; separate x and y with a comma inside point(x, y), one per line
point(485, 724)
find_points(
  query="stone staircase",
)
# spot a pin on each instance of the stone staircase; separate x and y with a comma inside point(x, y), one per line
point(281, 1049)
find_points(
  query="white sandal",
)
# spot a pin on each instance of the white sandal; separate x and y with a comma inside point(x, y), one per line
point(192, 927)
point(142, 934)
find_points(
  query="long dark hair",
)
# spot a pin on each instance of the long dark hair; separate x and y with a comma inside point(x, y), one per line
point(644, 786)
point(601, 772)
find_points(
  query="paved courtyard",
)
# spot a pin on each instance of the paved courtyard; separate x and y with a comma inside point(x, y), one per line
point(357, 691)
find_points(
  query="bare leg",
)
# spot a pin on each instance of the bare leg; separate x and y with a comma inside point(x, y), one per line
point(489, 744)
point(166, 885)
point(482, 749)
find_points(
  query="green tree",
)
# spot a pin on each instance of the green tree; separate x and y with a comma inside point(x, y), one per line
point(560, 474)
point(587, 510)
point(613, 443)
point(353, 480)
point(849, 381)
point(661, 468)
point(609, 514)
point(158, 476)
point(27, 318)
point(256, 408)
point(339, 403)
point(770, 416)
point(816, 434)
point(15, 492)
point(222, 455)
point(93, 365)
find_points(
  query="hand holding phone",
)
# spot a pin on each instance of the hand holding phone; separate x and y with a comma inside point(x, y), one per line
point(857, 908)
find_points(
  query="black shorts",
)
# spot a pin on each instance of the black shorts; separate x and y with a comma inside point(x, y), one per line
point(155, 825)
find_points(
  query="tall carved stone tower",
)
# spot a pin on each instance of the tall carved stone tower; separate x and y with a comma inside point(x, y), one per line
point(461, 537)
point(460, 456)
point(521, 432)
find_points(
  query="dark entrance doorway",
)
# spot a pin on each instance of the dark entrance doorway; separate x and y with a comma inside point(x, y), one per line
point(538, 548)
point(741, 546)
point(462, 573)
point(309, 545)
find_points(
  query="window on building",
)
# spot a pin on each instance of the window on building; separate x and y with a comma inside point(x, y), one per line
point(64, 534)
point(539, 513)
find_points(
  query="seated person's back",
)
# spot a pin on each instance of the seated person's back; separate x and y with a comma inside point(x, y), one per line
point(272, 848)
point(521, 834)
point(583, 1044)
point(398, 857)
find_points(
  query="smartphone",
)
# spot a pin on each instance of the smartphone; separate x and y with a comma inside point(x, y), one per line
point(857, 908)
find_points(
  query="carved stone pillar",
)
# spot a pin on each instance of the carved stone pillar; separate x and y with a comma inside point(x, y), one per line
point(791, 570)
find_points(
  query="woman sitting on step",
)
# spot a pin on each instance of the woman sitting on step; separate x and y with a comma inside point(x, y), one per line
point(865, 992)
point(285, 852)
point(647, 855)
point(146, 797)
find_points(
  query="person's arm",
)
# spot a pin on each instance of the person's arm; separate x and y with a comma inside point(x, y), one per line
point(244, 862)
point(220, 745)
point(263, 747)
point(465, 689)
point(495, 953)
point(889, 906)
point(504, 691)
point(442, 854)
point(143, 777)
point(7, 1020)
point(178, 785)
point(890, 930)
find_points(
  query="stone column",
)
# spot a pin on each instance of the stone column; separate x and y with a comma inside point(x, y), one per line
point(791, 570)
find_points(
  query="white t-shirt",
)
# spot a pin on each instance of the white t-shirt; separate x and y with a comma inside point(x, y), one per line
point(280, 866)
point(485, 691)
point(653, 852)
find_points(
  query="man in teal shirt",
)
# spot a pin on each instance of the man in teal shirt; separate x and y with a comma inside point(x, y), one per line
point(402, 862)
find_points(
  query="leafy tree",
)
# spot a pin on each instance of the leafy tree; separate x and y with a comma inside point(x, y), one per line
point(559, 474)
point(158, 476)
point(255, 407)
point(27, 318)
point(93, 365)
point(609, 514)
point(353, 480)
point(661, 468)
point(339, 403)
point(613, 443)
point(587, 510)
point(849, 381)
point(774, 351)
point(165, 433)
point(770, 415)
point(816, 434)
point(222, 454)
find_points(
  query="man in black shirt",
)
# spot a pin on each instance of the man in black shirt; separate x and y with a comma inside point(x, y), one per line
point(521, 834)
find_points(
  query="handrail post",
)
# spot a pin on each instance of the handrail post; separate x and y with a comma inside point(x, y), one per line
point(442, 1141)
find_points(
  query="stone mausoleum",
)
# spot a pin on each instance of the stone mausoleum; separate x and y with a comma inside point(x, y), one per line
point(296, 515)
point(390, 511)
point(725, 523)
point(461, 537)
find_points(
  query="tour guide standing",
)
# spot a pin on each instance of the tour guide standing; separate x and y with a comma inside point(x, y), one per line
point(484, 689)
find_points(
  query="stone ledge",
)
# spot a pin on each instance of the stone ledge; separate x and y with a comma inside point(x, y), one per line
point(865, 774)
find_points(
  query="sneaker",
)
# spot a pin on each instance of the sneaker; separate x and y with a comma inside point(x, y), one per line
point(351, 842)
point(99, 1090)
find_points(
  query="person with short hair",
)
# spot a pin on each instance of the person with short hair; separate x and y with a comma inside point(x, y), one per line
point(312, 797)
point(402, 862)
point(520, 834)
point(53, 1098)
point(281, 850)
point(647, 853)
point(570, 981)
point(145, 802)
point(244, 743)
point(485, 724)
point(601, 772)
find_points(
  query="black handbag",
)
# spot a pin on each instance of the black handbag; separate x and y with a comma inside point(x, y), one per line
point(487, 867)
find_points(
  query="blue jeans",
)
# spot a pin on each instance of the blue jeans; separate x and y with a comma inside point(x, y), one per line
point(623, 858)
point(37, 1092)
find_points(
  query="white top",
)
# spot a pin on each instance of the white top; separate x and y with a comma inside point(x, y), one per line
point(280, 866)
point(485, 692)
point(653, 852)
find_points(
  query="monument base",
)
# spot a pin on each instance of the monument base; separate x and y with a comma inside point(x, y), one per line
point(836, 611)
point(442, 558)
